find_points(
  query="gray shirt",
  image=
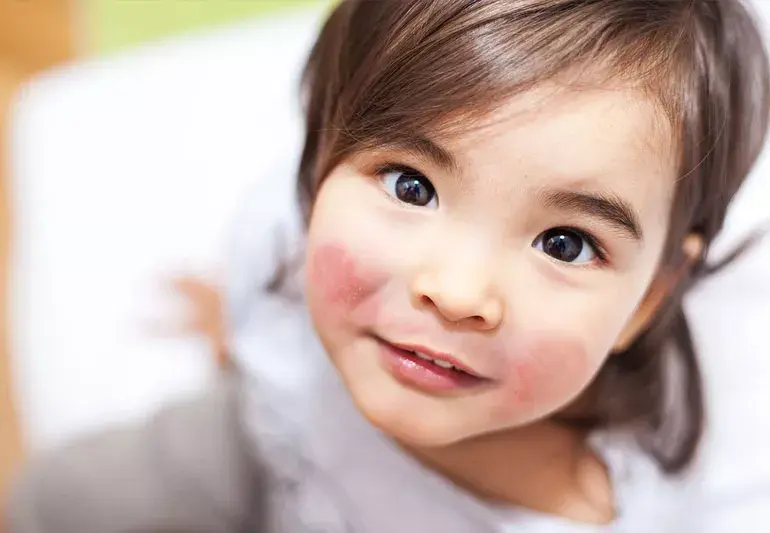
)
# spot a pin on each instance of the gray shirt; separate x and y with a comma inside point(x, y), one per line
point(190, 468)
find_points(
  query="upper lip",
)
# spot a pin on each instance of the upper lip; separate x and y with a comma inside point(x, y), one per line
point(439, 356)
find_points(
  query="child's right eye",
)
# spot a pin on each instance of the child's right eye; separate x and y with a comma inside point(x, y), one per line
point(409, 186)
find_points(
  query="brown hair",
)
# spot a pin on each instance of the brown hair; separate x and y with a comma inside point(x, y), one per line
point(386, 71)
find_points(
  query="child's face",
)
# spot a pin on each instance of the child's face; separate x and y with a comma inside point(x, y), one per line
point(521, 261)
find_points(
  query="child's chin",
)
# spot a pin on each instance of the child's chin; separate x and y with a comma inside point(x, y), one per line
point(416, 431)
point(428, 440)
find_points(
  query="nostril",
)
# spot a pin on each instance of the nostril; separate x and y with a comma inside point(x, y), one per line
point(426, 300)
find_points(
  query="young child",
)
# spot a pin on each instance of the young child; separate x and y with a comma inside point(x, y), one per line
point(505, 201)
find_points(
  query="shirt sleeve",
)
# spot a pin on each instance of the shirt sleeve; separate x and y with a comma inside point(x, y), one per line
point(266, 233)
point(189, 469)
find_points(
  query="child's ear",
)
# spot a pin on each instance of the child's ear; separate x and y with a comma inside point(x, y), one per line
point(660, 288)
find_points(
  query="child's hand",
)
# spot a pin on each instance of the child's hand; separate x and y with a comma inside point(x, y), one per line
point(203, 313)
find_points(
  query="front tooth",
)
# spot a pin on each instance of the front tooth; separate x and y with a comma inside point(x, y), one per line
point(423, 356)
point(443, 364)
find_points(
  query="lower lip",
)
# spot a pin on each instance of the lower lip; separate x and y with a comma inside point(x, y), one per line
point(419, 373)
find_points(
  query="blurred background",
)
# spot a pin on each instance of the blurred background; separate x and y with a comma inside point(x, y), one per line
point(42, 36)
point(131, 131)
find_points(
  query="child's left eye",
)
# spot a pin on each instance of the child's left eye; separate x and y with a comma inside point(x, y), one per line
point(568, 246)
point(409, 186)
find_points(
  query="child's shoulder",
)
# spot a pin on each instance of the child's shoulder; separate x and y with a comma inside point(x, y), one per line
point(279, 360)
point(644, 494)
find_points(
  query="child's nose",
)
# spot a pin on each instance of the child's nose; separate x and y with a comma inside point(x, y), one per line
point(461, 292)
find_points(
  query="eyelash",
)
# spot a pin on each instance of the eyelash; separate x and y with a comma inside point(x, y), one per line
point(396, 167)
point(593, 241)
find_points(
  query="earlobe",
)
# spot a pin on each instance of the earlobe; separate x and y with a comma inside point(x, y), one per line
point(663, 285)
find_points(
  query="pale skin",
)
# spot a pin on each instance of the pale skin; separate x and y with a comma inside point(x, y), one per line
point(463, 262)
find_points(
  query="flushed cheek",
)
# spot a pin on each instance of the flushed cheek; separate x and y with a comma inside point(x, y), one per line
point(339, 285)
point(544, 374)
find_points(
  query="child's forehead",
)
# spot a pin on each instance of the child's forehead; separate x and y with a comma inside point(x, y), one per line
point(579, 131)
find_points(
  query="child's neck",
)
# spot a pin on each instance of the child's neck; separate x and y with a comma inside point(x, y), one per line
point(545, 467)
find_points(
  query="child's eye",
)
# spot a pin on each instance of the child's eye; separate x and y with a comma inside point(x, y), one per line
point(409, 186)
point(568, 245)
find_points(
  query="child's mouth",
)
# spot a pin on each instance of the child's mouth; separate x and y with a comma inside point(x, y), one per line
point(426, 372)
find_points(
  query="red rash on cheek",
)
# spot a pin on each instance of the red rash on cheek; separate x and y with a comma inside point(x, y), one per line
point(545, 373)
point(342, 284)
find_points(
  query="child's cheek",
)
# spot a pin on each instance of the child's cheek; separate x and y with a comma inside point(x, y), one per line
point(544, 374)
point(339, 284)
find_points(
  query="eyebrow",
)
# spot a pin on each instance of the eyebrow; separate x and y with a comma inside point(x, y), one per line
point(610, 208)
point(428, 149)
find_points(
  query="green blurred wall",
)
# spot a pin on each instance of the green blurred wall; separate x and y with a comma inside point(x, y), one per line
point(116, 24)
